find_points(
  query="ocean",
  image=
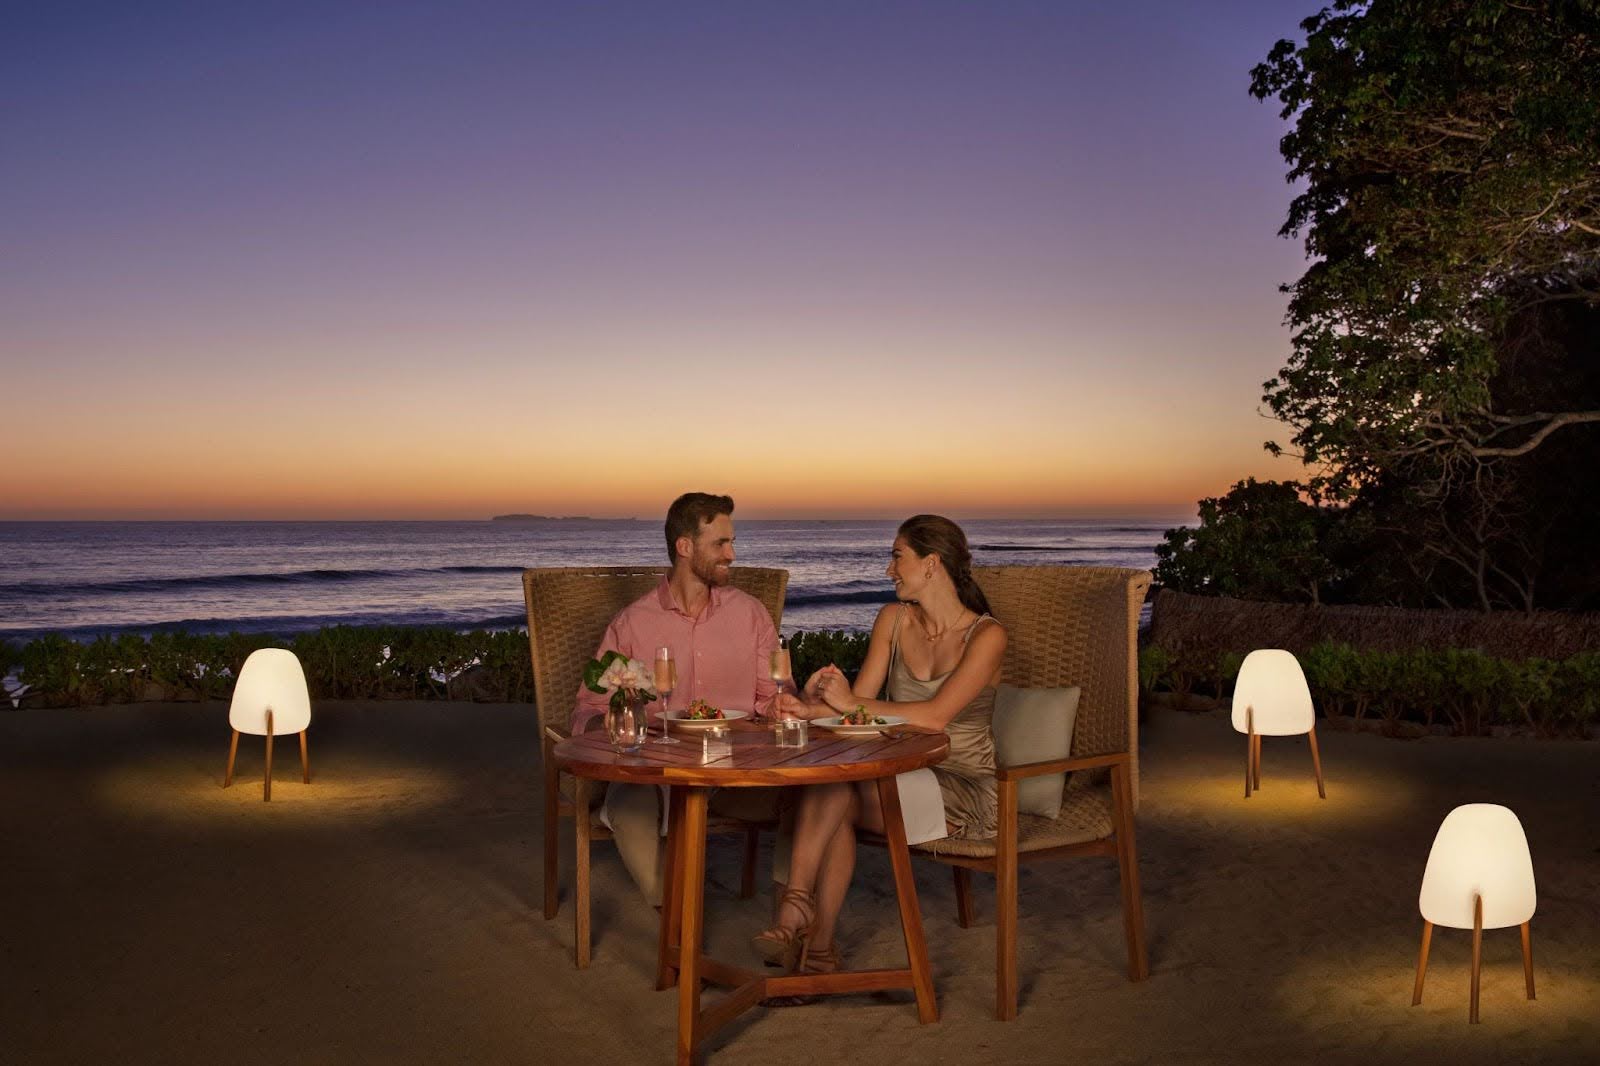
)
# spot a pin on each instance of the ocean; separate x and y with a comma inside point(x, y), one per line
point(86, 579)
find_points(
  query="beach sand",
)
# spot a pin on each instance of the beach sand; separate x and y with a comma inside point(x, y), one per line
point(390, 911)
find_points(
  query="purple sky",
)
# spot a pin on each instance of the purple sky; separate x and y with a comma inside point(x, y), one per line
point(400, 260)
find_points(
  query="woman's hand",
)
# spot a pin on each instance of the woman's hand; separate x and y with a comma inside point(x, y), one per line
point(835, 691)
point(813, 689)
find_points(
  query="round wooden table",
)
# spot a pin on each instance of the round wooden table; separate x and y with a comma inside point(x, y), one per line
point(758, 761)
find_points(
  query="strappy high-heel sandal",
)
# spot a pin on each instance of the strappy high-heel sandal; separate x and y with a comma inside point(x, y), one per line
point(815, 960)
point(782, 946)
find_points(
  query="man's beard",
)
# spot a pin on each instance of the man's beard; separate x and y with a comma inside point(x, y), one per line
point(706, 570)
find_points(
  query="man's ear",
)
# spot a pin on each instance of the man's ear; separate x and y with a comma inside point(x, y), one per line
point(684, 547)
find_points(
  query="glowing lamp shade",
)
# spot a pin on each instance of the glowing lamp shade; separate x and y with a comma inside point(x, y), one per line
point(1271, 698)
point(1479, 876)
point(1480, 851)
point(1272, 691)
point(270, 699)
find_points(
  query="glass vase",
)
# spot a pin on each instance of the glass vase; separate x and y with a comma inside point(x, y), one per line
point(626, 722)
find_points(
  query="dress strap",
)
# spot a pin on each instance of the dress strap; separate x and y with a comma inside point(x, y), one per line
point(976, 622)
point(894, 636)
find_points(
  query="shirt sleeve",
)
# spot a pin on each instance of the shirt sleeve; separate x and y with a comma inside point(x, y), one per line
point(766, 644)
point(591, 705)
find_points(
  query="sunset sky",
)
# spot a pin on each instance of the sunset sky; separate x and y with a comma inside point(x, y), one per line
point(450, 260)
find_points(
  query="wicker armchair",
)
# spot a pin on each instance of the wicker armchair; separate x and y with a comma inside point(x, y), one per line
point(1065, 625)
point(568, 611)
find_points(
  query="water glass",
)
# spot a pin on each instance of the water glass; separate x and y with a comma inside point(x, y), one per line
point(716, 743)
point(791, 732)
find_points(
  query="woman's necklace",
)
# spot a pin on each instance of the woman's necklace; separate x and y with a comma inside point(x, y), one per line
point(930, 636)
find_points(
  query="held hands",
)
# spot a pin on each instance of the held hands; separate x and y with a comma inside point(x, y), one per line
point(833, 689)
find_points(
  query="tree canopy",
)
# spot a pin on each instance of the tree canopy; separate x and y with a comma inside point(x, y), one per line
point(1443, 384)
point(1450, 154)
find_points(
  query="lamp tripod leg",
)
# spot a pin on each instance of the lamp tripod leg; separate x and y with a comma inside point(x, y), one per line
point(1422, 961)
point(266, 785)
point(1477, 955)
point(1527, 957)
point(1249, 749)
point(1316, 763)
point(233, 751)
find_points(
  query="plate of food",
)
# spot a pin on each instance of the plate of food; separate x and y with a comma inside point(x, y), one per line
point(702, 715)
point(858, 722)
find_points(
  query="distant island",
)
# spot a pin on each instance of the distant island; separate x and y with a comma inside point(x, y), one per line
point(555, 518)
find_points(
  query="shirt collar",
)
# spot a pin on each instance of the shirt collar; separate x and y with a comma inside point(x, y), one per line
point(665, 599)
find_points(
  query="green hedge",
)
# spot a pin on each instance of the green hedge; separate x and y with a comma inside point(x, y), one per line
point(1463, 688)
point(341, 662)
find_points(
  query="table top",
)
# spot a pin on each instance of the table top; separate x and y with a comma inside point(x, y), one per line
point(756, 758)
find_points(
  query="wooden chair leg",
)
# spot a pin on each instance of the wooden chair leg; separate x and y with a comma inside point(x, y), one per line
point(233, 750)
point(305, 759)
point(1316, 763)
point(580, 872)
point(552, 830)
point(692, 879)
point(964, 913)
point(1477, 955)
point(747, 875)
point(905, 891)
point(1249, 750)
point(671, 895)
point(1005, 905)
point(1527, 957)
point(266, 786)
point(1422, 962)
point(1128, 871)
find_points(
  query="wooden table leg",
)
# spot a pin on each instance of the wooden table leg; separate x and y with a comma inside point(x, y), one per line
point(671, 895)
point(905, 890)
point(1422, 962)
point(692, 876)
point(580, 872)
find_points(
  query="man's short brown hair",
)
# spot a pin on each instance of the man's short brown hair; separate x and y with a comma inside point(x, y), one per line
point(691, 511)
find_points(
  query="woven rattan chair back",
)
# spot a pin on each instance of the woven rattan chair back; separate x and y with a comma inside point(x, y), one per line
point(569, 608)
point(1076, 625)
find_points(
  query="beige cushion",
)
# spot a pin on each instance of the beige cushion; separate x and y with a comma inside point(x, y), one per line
point(1035, 725)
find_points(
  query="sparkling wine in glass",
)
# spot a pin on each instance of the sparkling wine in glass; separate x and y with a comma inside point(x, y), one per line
point(782, 673)
point(666, 681)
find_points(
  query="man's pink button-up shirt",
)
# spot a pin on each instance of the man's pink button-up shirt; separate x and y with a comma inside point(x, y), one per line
point(724, 656)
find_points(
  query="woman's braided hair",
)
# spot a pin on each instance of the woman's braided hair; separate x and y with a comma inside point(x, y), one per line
point(928, 534)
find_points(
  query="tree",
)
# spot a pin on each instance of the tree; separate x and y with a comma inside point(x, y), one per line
point(1444, 333)
point(1262, 541)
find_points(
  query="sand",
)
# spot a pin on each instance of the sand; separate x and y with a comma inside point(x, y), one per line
point(389, 912)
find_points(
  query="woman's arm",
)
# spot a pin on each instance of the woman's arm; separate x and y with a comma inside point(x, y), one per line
point(869, 680)
point(980, 661)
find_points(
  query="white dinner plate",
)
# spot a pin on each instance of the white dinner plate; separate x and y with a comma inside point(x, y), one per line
point(692, 724)
point(834, 725)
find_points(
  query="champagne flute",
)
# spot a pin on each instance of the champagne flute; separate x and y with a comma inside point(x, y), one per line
point(782, 673)
point(666, 681)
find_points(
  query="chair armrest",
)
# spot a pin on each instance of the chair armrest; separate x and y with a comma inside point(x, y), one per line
point(1056, 766)
point(554, 735)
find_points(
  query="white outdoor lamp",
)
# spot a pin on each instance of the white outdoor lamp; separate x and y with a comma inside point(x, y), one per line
point(1271, 698)
point(1479, 876)
point(270, 698)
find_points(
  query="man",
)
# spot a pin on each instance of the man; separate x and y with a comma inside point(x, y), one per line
point(722, 641)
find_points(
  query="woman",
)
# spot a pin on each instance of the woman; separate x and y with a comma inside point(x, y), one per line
point(937, 652)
